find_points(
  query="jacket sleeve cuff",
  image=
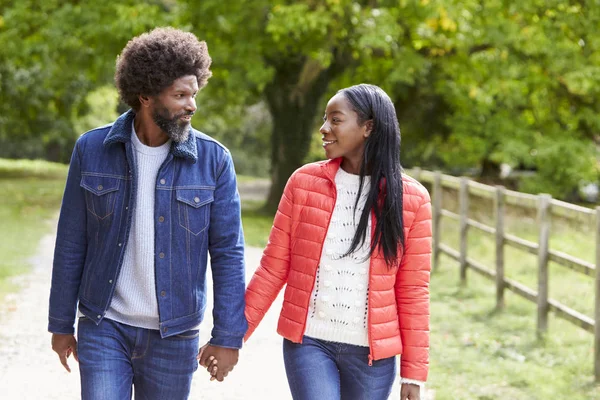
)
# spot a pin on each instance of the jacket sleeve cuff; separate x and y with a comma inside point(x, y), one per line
point(60, 326)
point(421, 384)
point(231, 342)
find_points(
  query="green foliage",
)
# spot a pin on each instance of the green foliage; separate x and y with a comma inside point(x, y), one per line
point(520, 82)
point(53, 54)
point(475, 84)
point(101, 105)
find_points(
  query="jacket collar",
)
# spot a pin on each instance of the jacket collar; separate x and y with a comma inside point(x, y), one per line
point(330, 167)
point(120, 131)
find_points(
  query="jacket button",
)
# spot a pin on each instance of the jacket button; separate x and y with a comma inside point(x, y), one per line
point(163, 293)
point(196, 199)
point(325, 299)
point(327, 283)
point(110, 281)
point(358, 303)
point(161, 219)
point(100, 187)
point(165, 329)
point(322, 314)
point(120, 244)
point(162, 181)
point(161, 255)
point(98, 316)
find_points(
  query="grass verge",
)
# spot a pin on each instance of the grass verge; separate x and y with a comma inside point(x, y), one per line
point(31, 195)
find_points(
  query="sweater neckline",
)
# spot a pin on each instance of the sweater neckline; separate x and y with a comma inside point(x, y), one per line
point(148, 150)
point(343, 177)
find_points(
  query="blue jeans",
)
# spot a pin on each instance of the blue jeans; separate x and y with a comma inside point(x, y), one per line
point(115, 356)
point(322, 370)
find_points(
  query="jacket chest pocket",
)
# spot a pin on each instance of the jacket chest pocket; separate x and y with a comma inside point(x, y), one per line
point(193, 208)
point(100, 194)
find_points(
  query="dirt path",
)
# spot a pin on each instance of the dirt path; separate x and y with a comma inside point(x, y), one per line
point(29, 370)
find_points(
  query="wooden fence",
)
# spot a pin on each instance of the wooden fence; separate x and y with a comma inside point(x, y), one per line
point(546, 207)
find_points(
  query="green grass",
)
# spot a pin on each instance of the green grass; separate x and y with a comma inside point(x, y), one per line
point(480, 353)
point(257, 224)
point(31, 195)
point(31, 169)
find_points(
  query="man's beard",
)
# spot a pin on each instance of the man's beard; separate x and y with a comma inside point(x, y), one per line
point(175, 128)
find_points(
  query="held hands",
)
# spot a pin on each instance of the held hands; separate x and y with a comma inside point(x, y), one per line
point(410, 392)
point(218, 361)
point(64, 345)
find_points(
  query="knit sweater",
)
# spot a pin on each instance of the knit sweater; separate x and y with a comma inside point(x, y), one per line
point(134, 302)
point(338, 308)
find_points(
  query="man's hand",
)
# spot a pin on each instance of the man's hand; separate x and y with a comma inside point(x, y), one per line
point(409, 391)
point(64, 345)
point(226, 358)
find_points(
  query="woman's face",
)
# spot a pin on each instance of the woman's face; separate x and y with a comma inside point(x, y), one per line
point(342, 135)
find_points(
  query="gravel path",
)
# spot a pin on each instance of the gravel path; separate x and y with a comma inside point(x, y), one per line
point(30, 370)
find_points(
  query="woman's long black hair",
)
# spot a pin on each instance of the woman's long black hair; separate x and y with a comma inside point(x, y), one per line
point(381, 160)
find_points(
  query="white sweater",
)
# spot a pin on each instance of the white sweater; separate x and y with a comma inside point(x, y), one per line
point(134, 302)
point(338, 308)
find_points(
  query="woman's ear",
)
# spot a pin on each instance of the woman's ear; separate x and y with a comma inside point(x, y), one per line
point(368, 128)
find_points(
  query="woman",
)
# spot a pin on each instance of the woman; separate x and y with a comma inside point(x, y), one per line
point(352, 241)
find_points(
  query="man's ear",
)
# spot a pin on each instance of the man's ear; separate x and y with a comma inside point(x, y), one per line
point(368, 128)
point(144, 100)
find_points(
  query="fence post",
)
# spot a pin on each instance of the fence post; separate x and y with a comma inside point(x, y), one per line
point(597, 310)
point(544, 236)
point(499, 211)
point(417, 174)
point(437, 214)
point(464, 227)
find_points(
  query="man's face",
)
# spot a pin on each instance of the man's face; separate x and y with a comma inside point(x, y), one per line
point(173, 108)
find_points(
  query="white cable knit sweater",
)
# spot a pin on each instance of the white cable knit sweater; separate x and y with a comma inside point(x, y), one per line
point(338, 308)
point(134, 302)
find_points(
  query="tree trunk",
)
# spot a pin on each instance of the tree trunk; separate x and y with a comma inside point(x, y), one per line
point(293, 97)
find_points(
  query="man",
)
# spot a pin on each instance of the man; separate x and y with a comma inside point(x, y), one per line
point(147, 198)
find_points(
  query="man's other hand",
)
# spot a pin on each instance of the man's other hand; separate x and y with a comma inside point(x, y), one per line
point(64, 345)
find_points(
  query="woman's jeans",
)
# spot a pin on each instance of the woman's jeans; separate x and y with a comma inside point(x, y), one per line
point(322, 370)
point(115, 356)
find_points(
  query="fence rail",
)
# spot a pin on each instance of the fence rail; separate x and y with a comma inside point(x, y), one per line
point(546, 207)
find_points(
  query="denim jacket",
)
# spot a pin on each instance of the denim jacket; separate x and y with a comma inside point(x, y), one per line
point(197, 211)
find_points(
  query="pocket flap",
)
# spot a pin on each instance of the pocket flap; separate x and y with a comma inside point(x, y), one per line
point(195, 197)
point(99, 185)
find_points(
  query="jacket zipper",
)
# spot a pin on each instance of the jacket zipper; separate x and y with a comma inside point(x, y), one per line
point(369, 336)
point(320, 252)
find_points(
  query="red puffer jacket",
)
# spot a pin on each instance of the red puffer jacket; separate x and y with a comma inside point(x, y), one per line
point(398, 303)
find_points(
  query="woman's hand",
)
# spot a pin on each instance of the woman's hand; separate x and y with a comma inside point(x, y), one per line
point(408, 391)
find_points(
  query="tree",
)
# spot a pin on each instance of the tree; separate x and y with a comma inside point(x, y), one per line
point(53, 54)
point(287, 54)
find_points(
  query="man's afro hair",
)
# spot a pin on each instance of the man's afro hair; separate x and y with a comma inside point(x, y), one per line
point(152, 61)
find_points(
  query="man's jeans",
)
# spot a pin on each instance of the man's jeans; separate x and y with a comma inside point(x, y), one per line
point(322, 370)
point(114, 356)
